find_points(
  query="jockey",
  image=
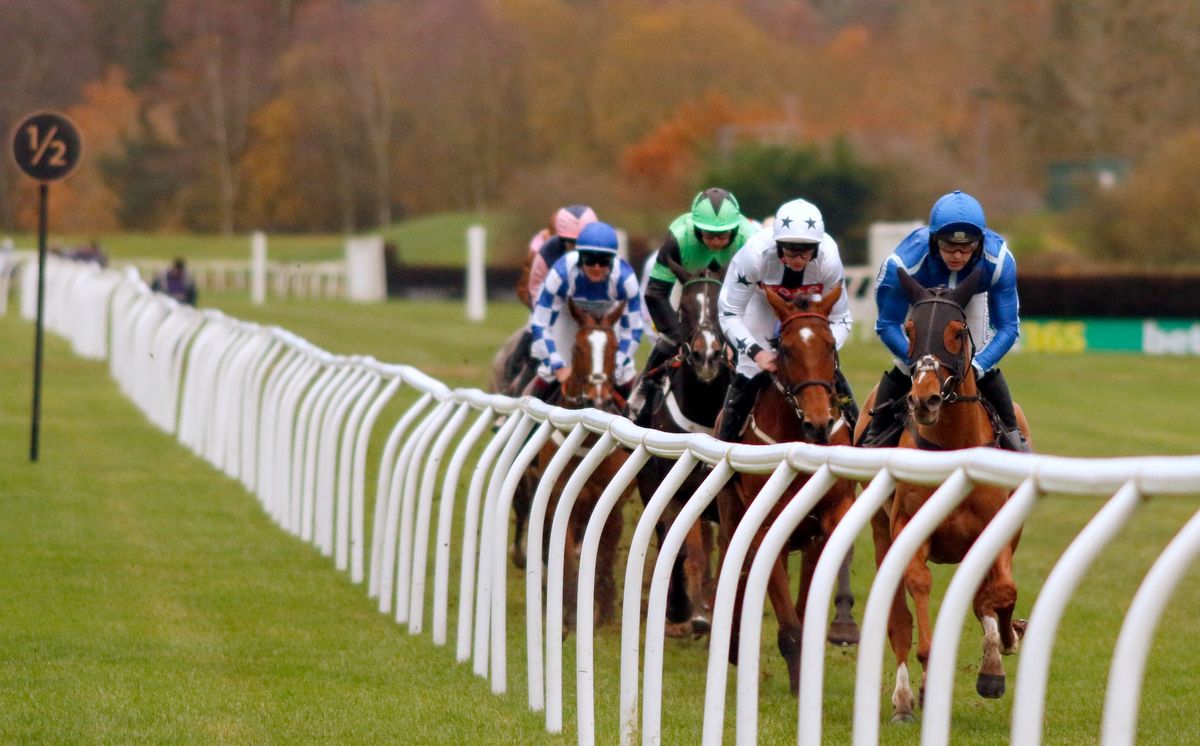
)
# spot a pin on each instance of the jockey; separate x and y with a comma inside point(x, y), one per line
point(558, 238)
point(588, 276)
point(956, 241)
point(712, 231)
point(568, 221)
point(794, 256)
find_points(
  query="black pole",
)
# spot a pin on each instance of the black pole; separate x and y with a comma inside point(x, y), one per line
point(43, 196)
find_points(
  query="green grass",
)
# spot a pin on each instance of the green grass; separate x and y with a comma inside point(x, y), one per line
point(437, 240)
point(148, 598)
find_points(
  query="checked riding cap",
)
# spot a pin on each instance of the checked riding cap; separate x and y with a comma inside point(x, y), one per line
point(568, 221)
point(957, 217)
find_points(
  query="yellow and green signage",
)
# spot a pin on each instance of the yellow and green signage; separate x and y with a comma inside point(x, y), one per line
point(1147, 336)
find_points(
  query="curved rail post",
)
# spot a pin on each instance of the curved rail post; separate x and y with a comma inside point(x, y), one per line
point(750, 637)
point(585, 703)
point(943, 653)
point(869, 676)
point(727, 585)
point(499, 561)
point(631, 605)
point(656, 611)
point(1125, 677)
point(534, 650)
point(816, 613)
point(1033, 670)
point(554, 576)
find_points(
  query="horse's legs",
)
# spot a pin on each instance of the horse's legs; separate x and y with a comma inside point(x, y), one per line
point(843, 630)
point(790, 631)
point(919, 582)
point(606, 561)
point(900, 623)
point(522, 502)
point(695, 570)
point(994, 602)
point(731, 508)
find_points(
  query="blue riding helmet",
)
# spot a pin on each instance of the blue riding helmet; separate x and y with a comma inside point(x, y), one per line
point(957, 217)
point(597, 238)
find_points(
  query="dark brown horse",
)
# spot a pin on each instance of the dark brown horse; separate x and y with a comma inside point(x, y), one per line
point(801, 405)
point(591, 384)
point(945, 412)
point(693, 390)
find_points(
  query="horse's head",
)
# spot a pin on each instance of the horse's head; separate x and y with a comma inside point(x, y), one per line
point(939, 344)
point(703, 343)
point(593, 360)
point(807, 360)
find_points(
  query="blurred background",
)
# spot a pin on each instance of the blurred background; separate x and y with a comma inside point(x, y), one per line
point(1076, 122)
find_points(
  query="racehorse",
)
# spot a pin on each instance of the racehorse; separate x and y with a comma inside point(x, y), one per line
point(946, 412)
point(591, 384)
point(693, 390)
point(800, 404)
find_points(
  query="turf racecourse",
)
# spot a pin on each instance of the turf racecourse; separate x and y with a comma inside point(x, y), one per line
point(148, 599)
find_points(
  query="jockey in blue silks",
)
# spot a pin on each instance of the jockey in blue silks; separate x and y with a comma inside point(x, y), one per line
point(595, 278)
point(956, 242)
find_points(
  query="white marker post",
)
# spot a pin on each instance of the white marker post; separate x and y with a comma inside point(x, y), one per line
point(258, 268)
point(476, 281)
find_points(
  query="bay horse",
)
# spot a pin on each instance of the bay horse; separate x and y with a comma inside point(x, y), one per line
point(591, 384)
point(945, 412)
point(800, 404)
point(693, 392)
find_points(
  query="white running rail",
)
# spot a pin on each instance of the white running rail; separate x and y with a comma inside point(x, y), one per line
point(293, 423)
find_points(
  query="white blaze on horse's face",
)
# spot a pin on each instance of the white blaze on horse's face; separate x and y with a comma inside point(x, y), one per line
point(598, 341)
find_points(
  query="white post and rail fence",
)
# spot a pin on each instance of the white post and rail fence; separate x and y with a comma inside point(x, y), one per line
point(293, 423)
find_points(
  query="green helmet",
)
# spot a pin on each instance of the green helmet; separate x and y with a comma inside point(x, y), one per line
point(715, 210)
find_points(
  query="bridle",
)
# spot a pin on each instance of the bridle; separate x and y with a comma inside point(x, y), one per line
point(704, 325)
point(938, 357)
point(596, 379)
point(791, 391)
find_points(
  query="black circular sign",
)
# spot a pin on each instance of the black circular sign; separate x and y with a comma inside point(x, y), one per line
point(46, 146)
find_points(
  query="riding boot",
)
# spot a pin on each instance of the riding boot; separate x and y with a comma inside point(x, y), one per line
point(994, 388)
point(892, 386)
point(645, 399)
point(845, 398)
point(738, 401)
point(540, 388)
point(519, 359)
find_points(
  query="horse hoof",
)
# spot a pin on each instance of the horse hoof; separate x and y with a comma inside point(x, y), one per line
point(990, 685)
point(843, 633)
point(903, 717)
point(678, 630)
point(1019, 626)
point(518, 560)
point(700, 626)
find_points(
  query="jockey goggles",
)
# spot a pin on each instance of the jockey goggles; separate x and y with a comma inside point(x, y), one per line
point(595, 259)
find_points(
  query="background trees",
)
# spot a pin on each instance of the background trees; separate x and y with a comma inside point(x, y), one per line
point(342, 115)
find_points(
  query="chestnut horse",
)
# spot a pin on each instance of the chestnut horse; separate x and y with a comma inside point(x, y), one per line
point(801, 405)
point(591, 384)
point(945, 412)
point(693, 391)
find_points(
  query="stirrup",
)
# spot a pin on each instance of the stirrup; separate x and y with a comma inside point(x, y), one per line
point(1013, 440)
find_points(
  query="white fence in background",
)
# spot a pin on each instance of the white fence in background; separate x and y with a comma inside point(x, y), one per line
point(283, 279)
point(292, 422)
